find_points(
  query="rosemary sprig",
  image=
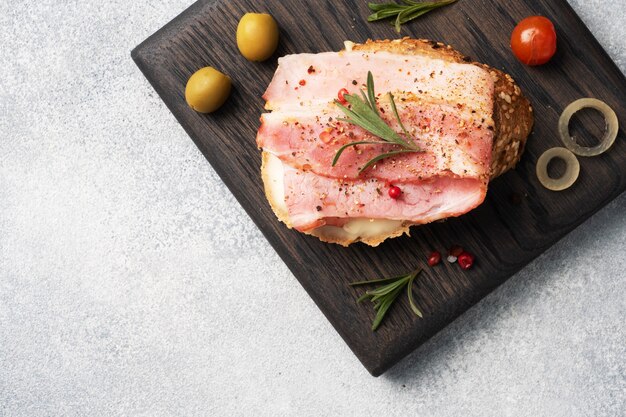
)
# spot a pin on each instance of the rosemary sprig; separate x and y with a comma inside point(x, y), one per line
point(387, 293)
point(363, 112)
point(404, 13)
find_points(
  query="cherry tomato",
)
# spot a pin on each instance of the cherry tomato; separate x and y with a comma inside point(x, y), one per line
point(534, 40)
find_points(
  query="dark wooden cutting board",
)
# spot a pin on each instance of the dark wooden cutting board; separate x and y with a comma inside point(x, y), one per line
point(519, 219)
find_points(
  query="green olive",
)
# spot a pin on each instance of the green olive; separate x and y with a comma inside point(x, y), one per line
point(257, 36)
point(207, 89)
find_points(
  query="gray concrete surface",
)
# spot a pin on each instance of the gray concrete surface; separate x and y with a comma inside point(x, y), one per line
point(132, 284)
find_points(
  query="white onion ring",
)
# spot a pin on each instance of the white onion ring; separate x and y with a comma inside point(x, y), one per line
point(571, 172)
point(612, 126)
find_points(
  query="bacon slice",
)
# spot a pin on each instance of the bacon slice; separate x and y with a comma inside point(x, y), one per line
point(452, 141)
point(315, 200)
point(326, 73)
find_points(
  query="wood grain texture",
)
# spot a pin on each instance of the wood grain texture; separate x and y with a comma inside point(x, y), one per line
point(505, 234)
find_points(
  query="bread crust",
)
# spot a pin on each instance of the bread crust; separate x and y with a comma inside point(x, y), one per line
point(279, 211)
point(512, 115)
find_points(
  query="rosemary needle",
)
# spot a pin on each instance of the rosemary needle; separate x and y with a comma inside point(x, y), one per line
point(387, 293)
point(363, 112)
point(405, 11)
